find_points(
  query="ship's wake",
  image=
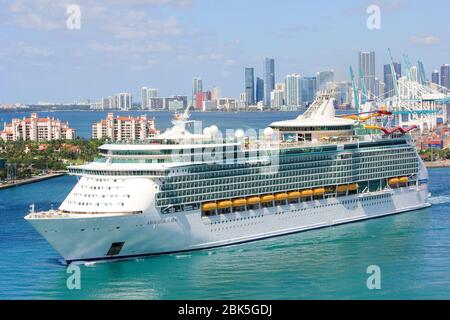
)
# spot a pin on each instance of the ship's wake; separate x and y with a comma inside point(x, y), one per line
point(439, 200)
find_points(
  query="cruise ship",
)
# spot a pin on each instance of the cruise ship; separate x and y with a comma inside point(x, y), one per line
point(183, 191)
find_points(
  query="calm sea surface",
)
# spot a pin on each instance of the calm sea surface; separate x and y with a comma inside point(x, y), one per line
point(412, 250)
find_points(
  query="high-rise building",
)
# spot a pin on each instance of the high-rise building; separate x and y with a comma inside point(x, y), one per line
point(215, 95)
point(414, 73)
point(388, 79)
point(293, 90)
point(123, 101)
point(345, 95)
point(323, 78)
point(309, 89)
point(259, 90)
point(435, 77)
point(197, 86)
point(269, 79)
point(200, 97)
point(144, 98)
point(276, 99)
point(250, 85)
point(445, 76)
point(367, 67)
point(124, 128)
point(152, 93)
point(37, 129)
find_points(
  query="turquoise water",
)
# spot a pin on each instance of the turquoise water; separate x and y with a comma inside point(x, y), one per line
point(412, 250)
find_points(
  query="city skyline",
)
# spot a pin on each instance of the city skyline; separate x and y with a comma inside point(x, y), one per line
point(124, 46)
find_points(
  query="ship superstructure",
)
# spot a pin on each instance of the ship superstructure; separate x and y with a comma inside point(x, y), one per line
point(185, 191)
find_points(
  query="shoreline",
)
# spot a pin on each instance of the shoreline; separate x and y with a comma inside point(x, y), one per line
point(437, 164)
point(34, 179)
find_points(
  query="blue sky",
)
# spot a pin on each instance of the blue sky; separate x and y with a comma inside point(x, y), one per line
point(123, 45)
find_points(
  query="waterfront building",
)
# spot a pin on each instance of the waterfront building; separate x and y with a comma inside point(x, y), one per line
point(389, 91)
point(124, 128)
point(269, 79)
point(367, 67)
point(445, 76)
point(200, 97)
point(276, 99)
point(123, 101)
point(156, 103)
point(176, 103)
point(227, 104)
point(37, 129)
point(250, 85)
point(144, 98)
point(197, 86)
point(309, 89)
point(293, 90)
point(435, 77)
point(259, 96)
point(323, 79)
point(215, 95)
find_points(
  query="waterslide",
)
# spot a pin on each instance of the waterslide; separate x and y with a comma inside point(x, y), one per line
point(391, 130)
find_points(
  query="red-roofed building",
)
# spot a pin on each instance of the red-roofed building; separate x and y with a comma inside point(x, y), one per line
point(37, 129)
point(122, 128)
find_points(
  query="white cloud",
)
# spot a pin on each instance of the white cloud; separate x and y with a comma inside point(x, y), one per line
point(424, 40)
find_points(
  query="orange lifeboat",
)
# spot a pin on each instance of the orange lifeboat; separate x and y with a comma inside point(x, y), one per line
point(294, 195)
point(353, 187)
point(224, 204)
point(342, 188)
point(239, 202)
point(307, 193)
point(403, 180)
point(281, 196)
point(209, 206)
point(253, 200)
point(319, 191)
point(267, 198)
point(393, 181)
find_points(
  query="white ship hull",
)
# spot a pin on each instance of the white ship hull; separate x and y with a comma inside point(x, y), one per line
point(90, 237)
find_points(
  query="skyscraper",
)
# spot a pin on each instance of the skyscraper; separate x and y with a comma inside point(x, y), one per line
point(445, 76)
point(309, 89)
point(414, 73)
point(269, 79)
point(259, 90)
point(435, 77)
point(250, 85)
point(388, 80)
point(293, 91)
point(144, 98)
point(197, 86)
point(367, 67)
point(152, 93)
point(323, 78)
